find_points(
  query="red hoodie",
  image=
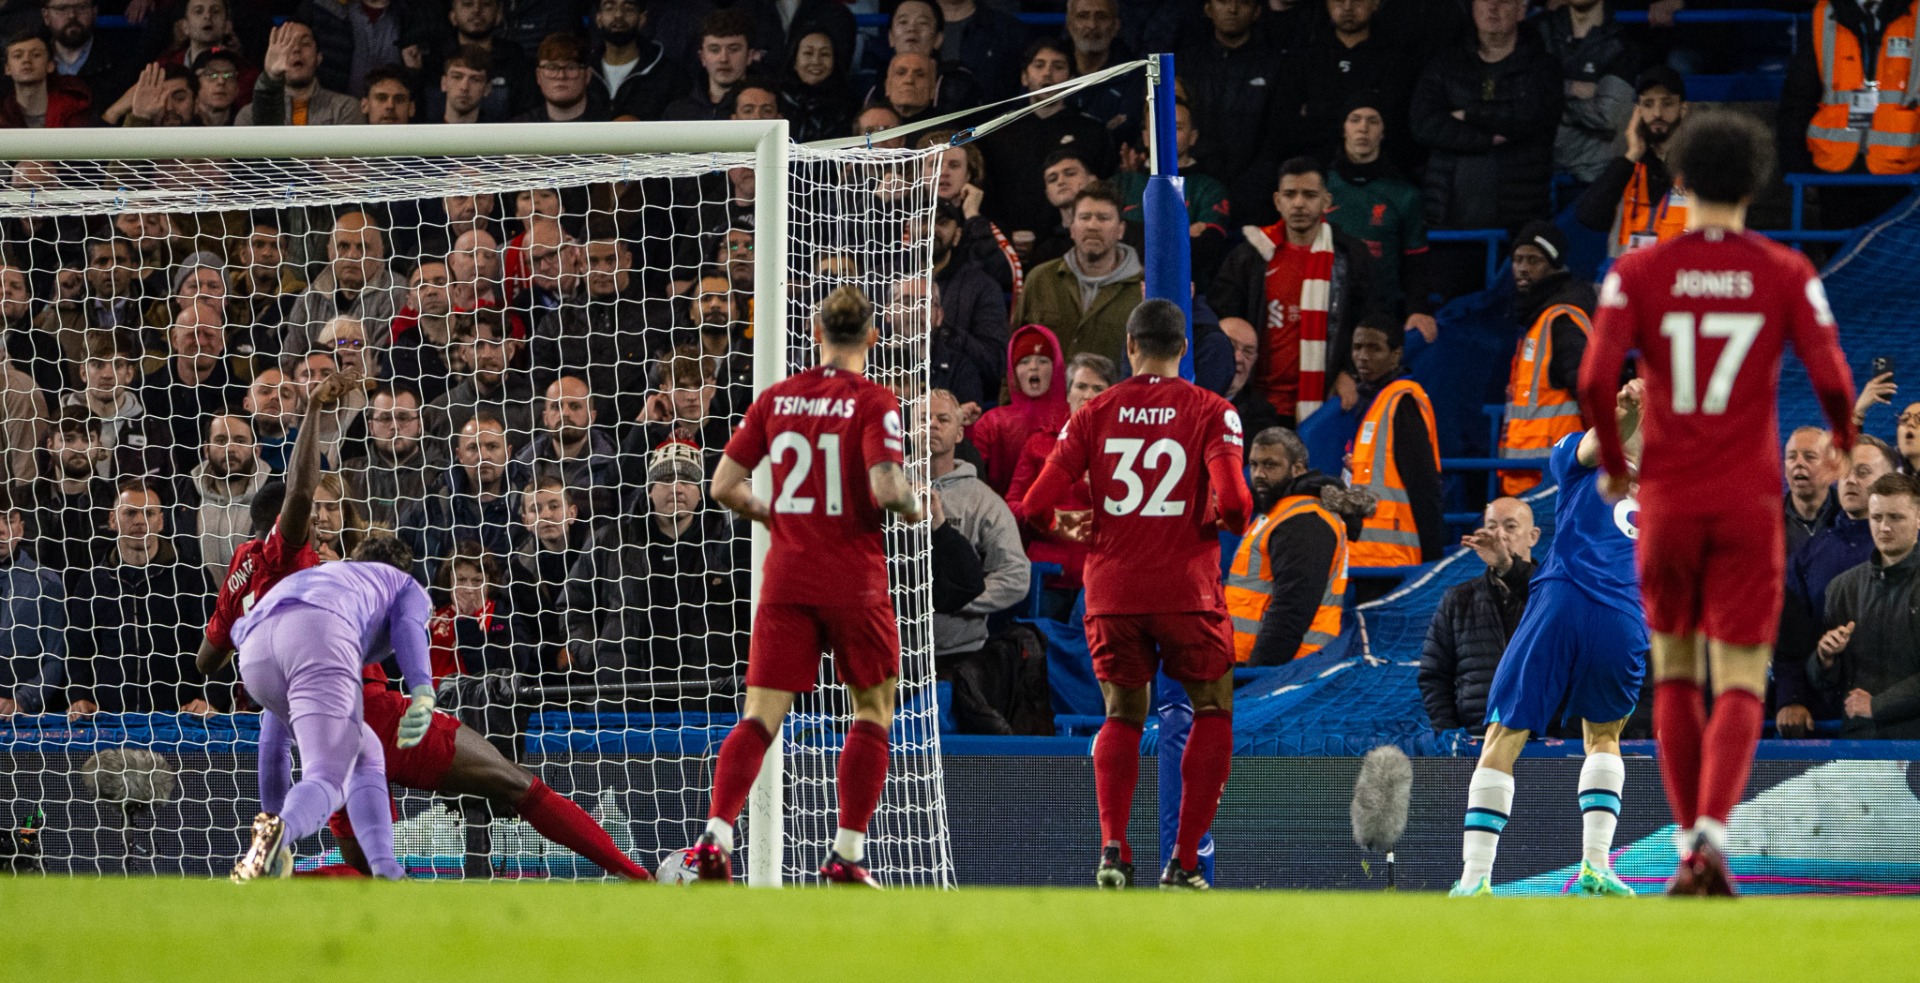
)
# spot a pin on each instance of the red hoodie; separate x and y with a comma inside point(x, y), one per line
point(1002, 433)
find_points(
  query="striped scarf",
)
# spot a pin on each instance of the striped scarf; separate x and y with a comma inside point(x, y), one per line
point(1316, 291)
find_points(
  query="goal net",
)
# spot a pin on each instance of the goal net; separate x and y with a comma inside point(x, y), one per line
point(563, 337)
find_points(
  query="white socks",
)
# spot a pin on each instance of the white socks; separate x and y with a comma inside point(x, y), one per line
point(1602, 778)
point(723, 831)
point(851, 846)
point(1489, 802)
point(1713, 831)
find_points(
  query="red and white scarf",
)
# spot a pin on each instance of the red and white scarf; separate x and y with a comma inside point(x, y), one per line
point(1315, 293)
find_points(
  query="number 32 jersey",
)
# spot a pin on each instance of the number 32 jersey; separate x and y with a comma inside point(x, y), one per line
point(1710, 313)
point(823, 430)
point(1146, 446)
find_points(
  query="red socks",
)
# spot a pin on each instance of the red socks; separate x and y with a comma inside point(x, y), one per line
point(738, 766)
point(1731, 737)
point(1680, 722)
point(863, 773)
point(555, 817)
point(1203, 778)
point(1116, 771)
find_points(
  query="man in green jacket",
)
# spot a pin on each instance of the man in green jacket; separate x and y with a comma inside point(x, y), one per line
point(1085, 296)
point(1374, 203)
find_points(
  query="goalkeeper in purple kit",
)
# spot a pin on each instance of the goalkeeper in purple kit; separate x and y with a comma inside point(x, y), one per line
point(301, 651)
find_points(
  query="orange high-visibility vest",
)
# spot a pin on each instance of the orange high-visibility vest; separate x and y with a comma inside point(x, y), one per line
point(1537, 414)
point(1644, 221)
point(1878, 113)
point(1250, 580)
point(1390, 538)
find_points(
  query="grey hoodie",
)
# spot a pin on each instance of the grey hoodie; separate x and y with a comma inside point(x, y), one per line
point(1129, 265)
point(224, 519)
point(986, 522)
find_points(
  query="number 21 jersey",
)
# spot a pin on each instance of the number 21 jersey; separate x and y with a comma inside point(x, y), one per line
point(823, 429)
point(1145, 446)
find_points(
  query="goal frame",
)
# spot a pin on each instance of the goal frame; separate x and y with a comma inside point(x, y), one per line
point(768, 140)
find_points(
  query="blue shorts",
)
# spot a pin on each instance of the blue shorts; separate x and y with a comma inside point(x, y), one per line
point(1570, 658)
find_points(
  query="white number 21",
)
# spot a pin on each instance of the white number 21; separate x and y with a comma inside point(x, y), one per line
point(1679, 329)
point(790, 502)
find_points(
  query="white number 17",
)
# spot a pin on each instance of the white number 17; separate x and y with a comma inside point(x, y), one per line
point(1679, 329)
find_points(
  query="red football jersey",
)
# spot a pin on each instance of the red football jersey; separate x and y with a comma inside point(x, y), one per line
point(1146, 446)
point(257, 565)
point(823, 429)
point(1710, 313)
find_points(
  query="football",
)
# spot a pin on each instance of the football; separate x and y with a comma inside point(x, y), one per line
point(677, 868)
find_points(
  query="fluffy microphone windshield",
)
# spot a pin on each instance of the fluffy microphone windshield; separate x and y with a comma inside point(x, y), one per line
point(1380, 799)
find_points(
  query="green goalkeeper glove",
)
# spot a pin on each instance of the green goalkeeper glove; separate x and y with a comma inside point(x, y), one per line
point(419, 716)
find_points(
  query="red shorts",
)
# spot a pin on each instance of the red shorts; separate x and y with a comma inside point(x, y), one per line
point(1720, 574)
point(421, 766)
point(788, 640)
point(1195, 646)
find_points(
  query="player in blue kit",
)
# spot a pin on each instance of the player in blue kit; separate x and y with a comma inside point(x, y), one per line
point(1580, 651)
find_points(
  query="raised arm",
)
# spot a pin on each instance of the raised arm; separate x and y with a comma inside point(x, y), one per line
point(303, 468)
point(1626, 416)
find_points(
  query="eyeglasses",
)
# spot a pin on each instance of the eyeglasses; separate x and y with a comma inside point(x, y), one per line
point(354, 343)
point(739, 247)
point(1909, 420)
point(562, 68)
point(218, 76)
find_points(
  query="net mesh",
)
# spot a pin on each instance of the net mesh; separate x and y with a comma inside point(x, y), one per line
point(563, 345)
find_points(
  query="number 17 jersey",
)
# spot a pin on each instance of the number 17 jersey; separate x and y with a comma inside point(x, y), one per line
point(1145, 446)
point(1710, 314)
point(823, 429)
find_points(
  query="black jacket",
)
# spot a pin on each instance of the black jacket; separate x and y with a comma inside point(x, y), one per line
point(1016, 194)
point(1471, 182)
point(973, 322)
point(1322, 73)
point(1230, 91)
point(1600, 203)
point(1569, 342)
point(655, 80)
point(642, 607)
point(1465, 640)
point(1301, 549)
point(1240, 290)
point(1883, 656)
point(133, 631)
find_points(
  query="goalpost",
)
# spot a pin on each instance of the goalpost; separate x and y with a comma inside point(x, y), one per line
point(616, 678)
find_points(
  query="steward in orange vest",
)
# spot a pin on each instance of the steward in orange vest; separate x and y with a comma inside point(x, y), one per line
point(1868, 108)
point(1395, 455)
point(1555, 309)
point(1634, 200)
point(1287, 587)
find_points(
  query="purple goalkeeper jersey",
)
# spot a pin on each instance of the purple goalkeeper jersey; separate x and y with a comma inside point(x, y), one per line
point(386, 606)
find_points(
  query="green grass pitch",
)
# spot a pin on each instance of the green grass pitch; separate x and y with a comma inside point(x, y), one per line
point(207, 931)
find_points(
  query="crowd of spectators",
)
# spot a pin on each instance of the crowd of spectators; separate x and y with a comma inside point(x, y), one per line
point(554, 373)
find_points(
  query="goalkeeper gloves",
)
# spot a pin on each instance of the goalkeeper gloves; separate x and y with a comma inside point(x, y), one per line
point(414, 723)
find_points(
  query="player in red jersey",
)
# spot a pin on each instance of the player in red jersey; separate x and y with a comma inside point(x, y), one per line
point(452, 759)
point(1162, 458)
point(825, 583)
point(1710, 313)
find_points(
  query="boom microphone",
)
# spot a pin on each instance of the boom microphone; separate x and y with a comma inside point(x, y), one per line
point(1381, 796)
